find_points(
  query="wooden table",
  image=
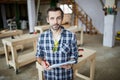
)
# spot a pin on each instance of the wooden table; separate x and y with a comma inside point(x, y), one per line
point(77, 29)
point(88, 55)
point(17, 61)
point(41, 28)
point(10, 33)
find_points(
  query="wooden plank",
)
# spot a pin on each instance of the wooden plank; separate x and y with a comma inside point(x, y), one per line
point(40, 71)
point(92, 69)
point(41, 28)
point(38, 66)
point(2, 51)
point(10, 33)
point(14, 57)
point(81, 76)
point(26, 38)
point(73, 29)
point(26, 58)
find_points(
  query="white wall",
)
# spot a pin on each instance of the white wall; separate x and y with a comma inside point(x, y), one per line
point(94, 9)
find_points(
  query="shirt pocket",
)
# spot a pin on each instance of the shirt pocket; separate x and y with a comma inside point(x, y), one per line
point(65, 48)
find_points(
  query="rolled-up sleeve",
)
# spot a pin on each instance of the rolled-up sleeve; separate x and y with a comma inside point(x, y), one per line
point(74, 49)
point(39, 52)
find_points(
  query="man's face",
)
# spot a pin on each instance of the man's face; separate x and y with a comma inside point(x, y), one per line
point(54, 19)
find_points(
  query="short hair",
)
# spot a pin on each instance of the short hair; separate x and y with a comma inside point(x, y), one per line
point(56, 9)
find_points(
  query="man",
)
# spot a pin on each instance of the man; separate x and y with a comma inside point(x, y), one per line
point(56, 45)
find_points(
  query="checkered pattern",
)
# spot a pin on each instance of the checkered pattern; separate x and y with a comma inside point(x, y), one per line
point(67, 49)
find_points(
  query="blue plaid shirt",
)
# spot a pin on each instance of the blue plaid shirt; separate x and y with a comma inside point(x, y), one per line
point(67, 50)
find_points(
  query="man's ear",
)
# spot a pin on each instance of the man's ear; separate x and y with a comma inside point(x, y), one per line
point(47, 20)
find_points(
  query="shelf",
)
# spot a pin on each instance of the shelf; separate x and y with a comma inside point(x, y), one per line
point(26, 58)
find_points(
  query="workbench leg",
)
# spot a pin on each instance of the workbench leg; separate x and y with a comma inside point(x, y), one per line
point(92, 69)
point(17, 71)
point(81, 37)
point(40, 73)
point(9, 66)
point(6, 54)
point(14, 59)
point(73, 76)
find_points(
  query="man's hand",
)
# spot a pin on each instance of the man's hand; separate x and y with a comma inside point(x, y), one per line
point(45, 65)
point(68, 66)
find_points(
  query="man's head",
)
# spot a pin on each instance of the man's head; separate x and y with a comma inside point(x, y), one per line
point(55, 9)
point(55, 17)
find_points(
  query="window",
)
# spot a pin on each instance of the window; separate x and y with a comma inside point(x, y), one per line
point(66, 8)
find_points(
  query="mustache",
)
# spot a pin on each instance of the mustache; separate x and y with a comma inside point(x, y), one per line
point(56, 25)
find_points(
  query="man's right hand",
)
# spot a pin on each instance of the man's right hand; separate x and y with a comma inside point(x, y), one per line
point(45, 64)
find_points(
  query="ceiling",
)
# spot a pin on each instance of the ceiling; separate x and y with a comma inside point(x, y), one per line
point(22, 1)
point(12, 1)
point(25, 1)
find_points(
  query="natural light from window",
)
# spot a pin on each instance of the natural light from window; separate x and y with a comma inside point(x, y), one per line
point(66, 9)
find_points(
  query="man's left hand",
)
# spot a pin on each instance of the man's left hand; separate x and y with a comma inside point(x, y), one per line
point(69, 66)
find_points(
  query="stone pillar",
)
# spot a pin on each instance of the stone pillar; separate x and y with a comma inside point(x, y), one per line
point(31, 14)
point(109, 28)
point(3, 13)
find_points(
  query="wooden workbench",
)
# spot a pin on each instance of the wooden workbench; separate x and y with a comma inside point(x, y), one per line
point(77, 29)
point(41, 28)
point(21, 60)
point(2, 51)
point(87, 56)
point(9, 33)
